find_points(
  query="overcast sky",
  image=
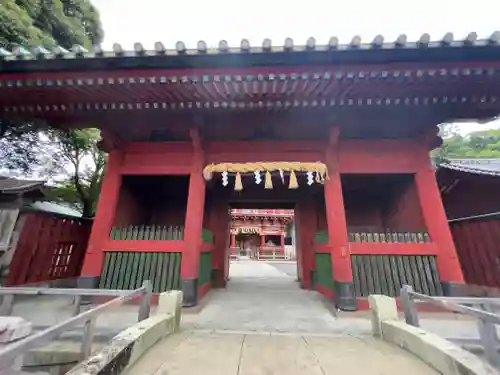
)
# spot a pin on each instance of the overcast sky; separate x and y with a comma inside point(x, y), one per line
point(148, 21)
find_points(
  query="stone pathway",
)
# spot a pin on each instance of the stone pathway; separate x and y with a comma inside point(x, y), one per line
point(197, 353)
point(261, 298)
point(264, 324)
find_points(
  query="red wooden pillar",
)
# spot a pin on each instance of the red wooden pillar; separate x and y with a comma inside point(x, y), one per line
point(221, 241)
point(305, 231)
point(338, 242)
point(103, 221)
point(282, 243)
point(338, 239)
point(192, 231)
point(233, 241)
point(228, 221)
point(297, 248)
point(439, 231)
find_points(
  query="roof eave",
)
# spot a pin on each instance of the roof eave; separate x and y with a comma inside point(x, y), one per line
point(400, 51)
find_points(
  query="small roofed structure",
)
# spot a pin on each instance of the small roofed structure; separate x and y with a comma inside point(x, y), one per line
point(470, 190)
point(470, 187)
point(15, 192)
point(39, 241)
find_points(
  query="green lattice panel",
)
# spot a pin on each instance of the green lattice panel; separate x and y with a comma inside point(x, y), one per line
point(321, 238)
point(323, 274)
point(205, 268)
point(127, 270)
point(385, 274)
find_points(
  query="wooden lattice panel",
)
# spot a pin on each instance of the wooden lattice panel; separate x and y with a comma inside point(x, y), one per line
point(127, 270)
point(385, 274)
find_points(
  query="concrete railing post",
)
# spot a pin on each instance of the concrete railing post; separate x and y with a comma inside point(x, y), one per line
point(411, 315)
point(382, 308)
point(7, 305)
point(77, 301)
point(145, 306)
point(88, 338)
point(171, 303)
point(13, 329)
point(489, 339)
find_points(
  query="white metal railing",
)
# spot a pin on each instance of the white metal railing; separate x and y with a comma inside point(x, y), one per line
point(487, 320)
point(269, 254)
point(9, 355)
point(274, 254)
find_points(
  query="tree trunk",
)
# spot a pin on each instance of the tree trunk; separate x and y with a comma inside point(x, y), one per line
point(87, 208)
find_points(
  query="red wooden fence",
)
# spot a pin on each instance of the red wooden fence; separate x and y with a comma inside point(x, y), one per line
point(477, 241)
point(49, 248)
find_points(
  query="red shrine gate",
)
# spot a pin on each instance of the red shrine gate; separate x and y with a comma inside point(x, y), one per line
point(341, 132)
point(379, 207)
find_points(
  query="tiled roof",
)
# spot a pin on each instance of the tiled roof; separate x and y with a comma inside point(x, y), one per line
point(489, 167)
point(289, 46)
point(55, 208)
point(9, 185)
point(288, 53)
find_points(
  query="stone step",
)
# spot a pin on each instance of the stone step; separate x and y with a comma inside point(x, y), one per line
point(56, 357)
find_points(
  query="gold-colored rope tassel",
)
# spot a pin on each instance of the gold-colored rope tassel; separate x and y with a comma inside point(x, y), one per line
point(268, 184)
point(238, 186)
point(293, 181)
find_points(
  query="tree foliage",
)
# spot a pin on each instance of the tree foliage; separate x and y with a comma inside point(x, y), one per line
point(478, 144)
point(31, 23)
point(33, 147)
point(21, 146)
point(86, 162)
point(47, 23)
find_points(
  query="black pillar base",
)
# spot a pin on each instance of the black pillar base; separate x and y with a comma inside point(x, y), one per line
point(218, 279)
point(189, 289)
point(451, 289)
point(87, 282)
point(344, 296)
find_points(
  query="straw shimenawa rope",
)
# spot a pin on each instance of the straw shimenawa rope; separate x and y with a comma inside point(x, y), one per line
point(319, 168)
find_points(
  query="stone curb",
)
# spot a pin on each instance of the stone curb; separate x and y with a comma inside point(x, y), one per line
point(129, 345)
point(126, 347)
point(441, 354)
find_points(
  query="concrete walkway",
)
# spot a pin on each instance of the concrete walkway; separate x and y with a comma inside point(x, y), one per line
point(262, 298)
point(198, 353)
point(264, 324)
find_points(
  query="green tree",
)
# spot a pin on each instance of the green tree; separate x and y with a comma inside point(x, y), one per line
point(478, 144)
point(46, 23)
point(30, 146)
point(86, 162)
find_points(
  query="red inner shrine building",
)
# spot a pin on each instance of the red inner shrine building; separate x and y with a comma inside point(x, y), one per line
point(259, 233)
point(341, 134)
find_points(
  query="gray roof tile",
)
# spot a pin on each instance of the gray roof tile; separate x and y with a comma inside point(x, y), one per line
point(489, 167)
point(9, 185)
point(378, 43)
